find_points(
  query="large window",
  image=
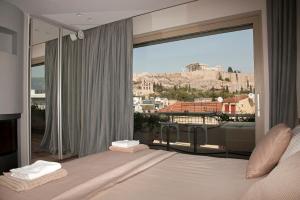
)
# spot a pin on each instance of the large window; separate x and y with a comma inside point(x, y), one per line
point(206, 80)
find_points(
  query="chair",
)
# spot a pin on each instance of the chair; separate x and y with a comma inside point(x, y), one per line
point(168, 125)
point(196, 127)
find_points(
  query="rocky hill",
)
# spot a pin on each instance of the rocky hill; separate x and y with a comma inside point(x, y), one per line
point(202, 79)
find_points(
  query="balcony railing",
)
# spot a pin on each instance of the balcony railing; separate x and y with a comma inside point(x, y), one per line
point(229, 132)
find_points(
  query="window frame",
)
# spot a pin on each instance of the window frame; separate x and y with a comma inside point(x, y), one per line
point(219, 25)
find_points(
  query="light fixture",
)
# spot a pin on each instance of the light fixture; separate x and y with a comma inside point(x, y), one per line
point(73, 36)
point(80, 35)
point(78, 14)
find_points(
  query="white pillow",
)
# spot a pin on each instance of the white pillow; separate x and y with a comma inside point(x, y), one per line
point(294, 145)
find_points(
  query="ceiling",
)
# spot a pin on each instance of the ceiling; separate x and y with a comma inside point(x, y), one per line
point(42, 32)
point(84, 14)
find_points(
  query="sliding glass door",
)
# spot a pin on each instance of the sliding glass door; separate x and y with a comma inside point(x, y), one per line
point(54, 97)
point(44, 52)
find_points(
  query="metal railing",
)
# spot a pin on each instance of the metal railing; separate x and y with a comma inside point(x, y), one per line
point(212, 118)
point(162, 129)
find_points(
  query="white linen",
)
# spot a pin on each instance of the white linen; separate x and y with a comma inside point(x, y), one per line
point(184, 177)
point(35, 170)
point(125, 143)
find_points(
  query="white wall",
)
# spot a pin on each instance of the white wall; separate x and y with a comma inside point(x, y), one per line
point(38, 50)
point(204, 10)
point(11, 64)
point(24, 125)
point(6, 42)
point(13, 76)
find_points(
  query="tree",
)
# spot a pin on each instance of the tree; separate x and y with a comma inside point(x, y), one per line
point(220, 77)
point(226, 88)
point(230, 70)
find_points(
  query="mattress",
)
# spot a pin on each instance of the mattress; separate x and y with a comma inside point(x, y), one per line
point(79, 171)
point(147, 174)
point(185, 177)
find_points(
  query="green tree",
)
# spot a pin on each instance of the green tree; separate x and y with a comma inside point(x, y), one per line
point(230, 70)
point(154, 87)
point(226, 88)
point(220, 77)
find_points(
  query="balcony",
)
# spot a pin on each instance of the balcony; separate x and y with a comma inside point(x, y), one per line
point(223, 134)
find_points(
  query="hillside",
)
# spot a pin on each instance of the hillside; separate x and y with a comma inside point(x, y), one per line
point(202, 79)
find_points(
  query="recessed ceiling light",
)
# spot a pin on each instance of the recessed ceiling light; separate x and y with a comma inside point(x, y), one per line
point(78, 14)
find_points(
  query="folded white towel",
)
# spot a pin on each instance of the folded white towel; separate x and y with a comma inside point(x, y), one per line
point(35, 170)
point(125, 143)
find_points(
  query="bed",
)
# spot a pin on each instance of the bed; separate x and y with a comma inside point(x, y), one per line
point(148, 174)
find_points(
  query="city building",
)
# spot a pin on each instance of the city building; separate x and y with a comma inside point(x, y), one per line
point(144, 88)
point(193, 107)
point(161, 102)
point(203, 99)
point(199, 66)
point(137, 100)
point(38, 99)
point(239, 105)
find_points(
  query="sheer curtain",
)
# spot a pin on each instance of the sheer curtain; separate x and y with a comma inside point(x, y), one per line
point(96, 90)
point(282, 61)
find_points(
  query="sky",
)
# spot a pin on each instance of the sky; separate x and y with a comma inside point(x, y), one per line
point(38, 71)
point(233, 49)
